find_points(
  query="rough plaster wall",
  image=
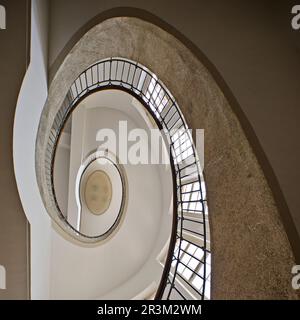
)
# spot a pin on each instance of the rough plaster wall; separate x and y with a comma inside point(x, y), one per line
point(251, 254)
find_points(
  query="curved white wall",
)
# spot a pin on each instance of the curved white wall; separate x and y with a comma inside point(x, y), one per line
point(28, 111)
point(126, 264)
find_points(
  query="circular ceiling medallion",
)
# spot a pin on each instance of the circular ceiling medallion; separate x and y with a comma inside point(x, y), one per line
point(101, 195)
point(98, 192)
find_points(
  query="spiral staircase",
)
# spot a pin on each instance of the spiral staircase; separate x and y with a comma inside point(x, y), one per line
point(186, 258)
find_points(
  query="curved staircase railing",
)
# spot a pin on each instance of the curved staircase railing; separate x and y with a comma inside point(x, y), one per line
point(186, 272)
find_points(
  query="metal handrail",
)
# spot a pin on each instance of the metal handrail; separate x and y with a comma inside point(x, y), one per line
point(188, 197)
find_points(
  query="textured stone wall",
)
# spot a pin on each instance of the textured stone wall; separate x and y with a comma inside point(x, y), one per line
point(252, 257)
